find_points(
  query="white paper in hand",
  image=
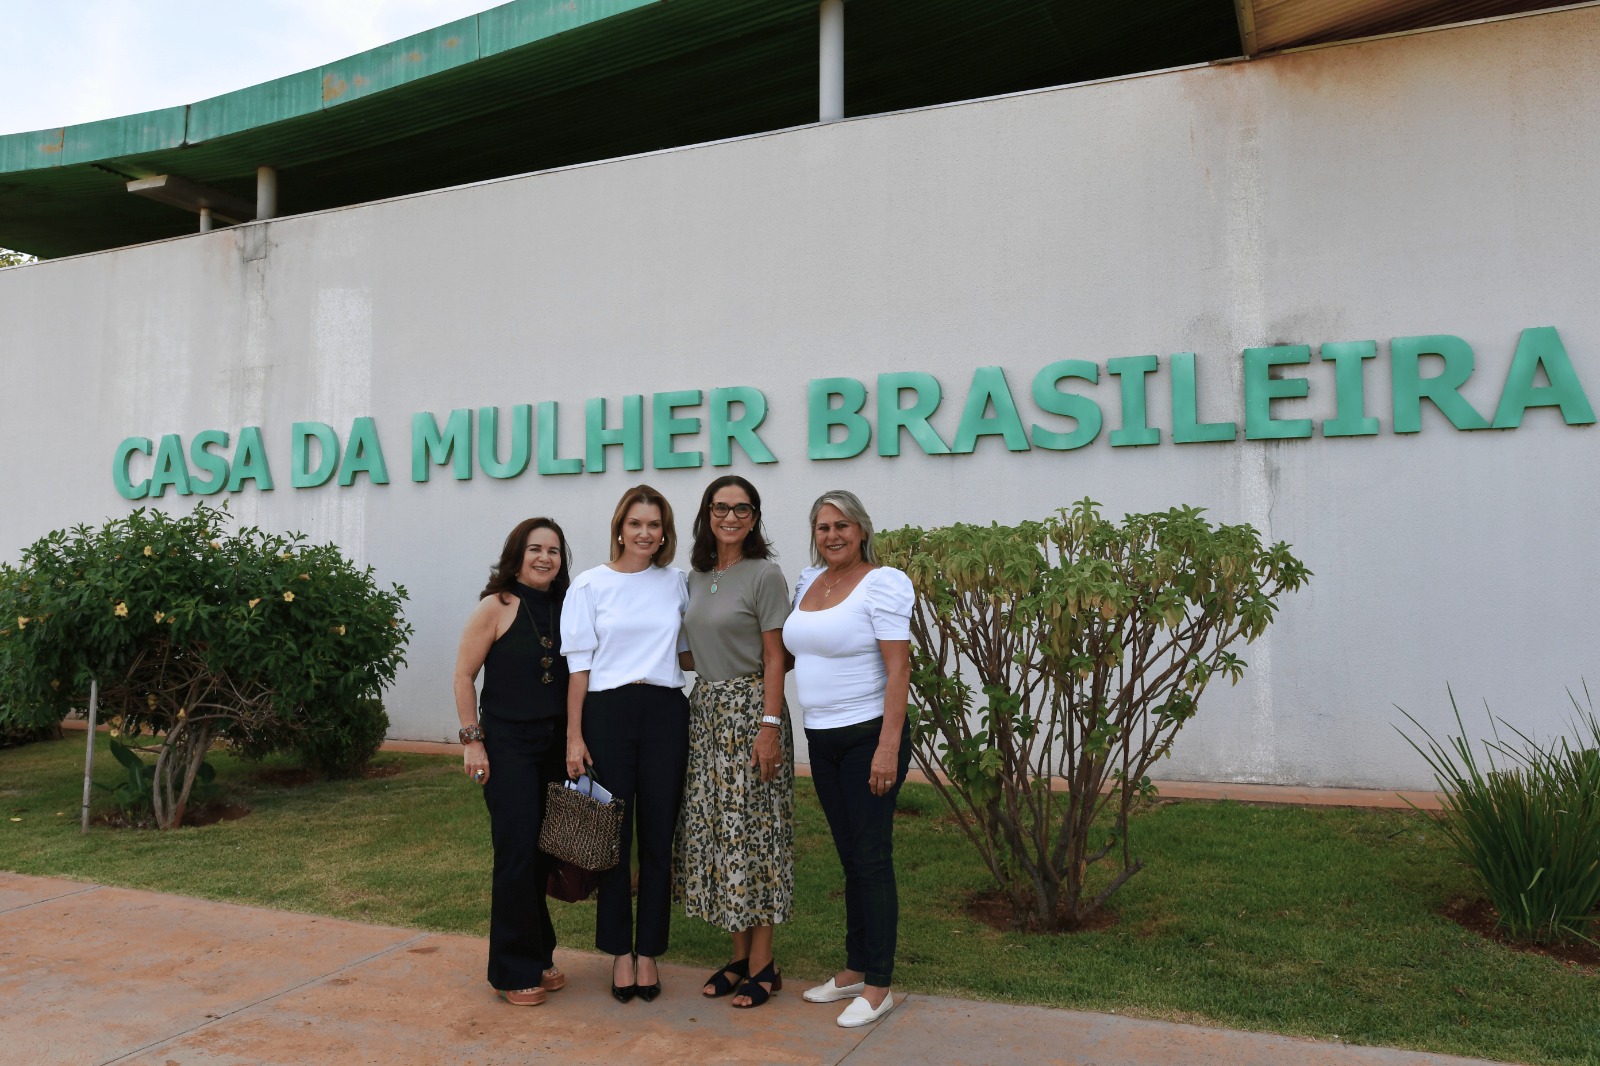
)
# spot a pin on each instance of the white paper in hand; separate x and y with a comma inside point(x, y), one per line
point(583, 784)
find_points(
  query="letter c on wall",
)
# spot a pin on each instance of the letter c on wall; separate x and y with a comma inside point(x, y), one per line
point(119, 467)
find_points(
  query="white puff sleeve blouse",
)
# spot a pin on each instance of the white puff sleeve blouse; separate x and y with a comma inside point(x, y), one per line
point(838, 667)
point(624, 628)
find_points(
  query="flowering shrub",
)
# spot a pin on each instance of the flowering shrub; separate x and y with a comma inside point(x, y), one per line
point(1053, 664)
point(194, 633)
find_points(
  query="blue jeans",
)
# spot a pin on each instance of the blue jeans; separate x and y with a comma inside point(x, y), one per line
point(863, 833)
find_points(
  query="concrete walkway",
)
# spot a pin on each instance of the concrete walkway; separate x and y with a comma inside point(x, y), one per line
point(90, 974)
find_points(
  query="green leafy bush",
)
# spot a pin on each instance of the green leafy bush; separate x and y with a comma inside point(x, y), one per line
point(339, 742)
point(1527, 820)
point(1070, 652)
point(194, 633)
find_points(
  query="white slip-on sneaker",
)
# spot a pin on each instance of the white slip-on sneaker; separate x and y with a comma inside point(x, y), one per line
point(832, 993)
point(860, 1012)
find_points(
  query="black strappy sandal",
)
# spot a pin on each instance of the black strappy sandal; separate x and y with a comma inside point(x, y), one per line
point(753, 991)
point(721, 986)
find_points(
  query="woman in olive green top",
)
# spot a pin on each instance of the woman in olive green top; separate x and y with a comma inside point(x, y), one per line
point(734, 858)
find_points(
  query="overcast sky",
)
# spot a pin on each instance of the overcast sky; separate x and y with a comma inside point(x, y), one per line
point(68, 61)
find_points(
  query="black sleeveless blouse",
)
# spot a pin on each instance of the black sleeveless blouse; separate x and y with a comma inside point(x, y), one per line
point(513, 671)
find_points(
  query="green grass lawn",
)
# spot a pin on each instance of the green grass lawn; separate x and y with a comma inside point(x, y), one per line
point(1312, 922)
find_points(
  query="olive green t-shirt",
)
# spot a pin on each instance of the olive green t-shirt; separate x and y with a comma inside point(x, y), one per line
point(724, 627)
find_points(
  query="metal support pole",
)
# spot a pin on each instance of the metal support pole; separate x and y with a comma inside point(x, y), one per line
point(266, 193)
point(88, 749)
point(205, 220)
point(830, 62)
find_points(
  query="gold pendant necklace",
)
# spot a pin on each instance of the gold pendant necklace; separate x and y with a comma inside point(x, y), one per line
point(827, 587)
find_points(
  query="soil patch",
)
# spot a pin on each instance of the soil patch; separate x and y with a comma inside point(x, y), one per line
point(992, 908)
point(194, 815)
point(1479, 916)
point(383, 769)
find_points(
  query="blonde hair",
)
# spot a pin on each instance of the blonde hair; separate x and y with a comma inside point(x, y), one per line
point(849, 506)
point(669, 533)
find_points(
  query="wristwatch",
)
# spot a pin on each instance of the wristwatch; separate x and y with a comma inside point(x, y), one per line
point(470, 733)
point(771, 719)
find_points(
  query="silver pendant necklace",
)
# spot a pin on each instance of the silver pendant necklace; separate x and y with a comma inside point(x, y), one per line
point(716, 575)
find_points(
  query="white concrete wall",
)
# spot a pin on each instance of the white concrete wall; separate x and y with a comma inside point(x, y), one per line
point(1435, 183)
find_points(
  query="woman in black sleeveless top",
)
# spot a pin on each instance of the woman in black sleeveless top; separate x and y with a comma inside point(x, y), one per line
point(518, 745)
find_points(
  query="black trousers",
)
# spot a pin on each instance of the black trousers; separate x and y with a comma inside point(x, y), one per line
point(638, 737)
point(523, 758)
point(863, 833)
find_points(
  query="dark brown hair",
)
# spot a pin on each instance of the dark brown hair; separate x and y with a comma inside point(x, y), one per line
point(669, 532)
point(503, 575)
point(703, 556)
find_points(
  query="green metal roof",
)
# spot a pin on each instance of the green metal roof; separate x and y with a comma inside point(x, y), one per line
point(536, 84)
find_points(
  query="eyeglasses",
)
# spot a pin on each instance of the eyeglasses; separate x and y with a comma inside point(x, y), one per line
point(740, 510)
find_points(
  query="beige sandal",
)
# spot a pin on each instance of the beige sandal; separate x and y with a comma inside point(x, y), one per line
point(552, 980)
point(524, 997)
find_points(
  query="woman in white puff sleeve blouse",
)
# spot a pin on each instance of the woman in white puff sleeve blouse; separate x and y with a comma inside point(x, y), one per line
point(850, 634)
point(621, 631)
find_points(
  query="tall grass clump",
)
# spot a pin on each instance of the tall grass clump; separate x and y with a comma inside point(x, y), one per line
point(1527, 820)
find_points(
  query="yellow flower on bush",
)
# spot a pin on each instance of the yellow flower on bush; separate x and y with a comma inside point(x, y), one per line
point(147, 552)
point(305, 577)
point(159, 616)
point(22, 623)
point(115, 731)
point(55, 685)
point(120, 610)
point(254, 602)
point(288, 597)
point(217, 544)
point(341, 631)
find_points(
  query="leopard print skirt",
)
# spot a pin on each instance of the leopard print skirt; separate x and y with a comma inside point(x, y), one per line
point(733, 859)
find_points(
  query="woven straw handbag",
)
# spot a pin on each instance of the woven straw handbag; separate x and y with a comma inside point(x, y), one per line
point(580, 829)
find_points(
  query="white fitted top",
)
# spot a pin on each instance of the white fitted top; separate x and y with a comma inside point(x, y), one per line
point(838, 667)
point(624, 628)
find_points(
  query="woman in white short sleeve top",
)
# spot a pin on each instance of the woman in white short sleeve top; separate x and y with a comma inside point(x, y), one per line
point(622, 630)
point(850, 634)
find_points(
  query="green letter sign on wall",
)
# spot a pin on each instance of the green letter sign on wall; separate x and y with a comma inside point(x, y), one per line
point(1350, 403)
point(302, 434)
point(1542, 348)
point(1049, 397)
point(119, 467)
point(1443, 390)
point(822, 416)
point(489, 440)
point(1186, 425)
point(1261, 388)
point(1132, 371)
point(892, 418)
point(666, 425)
point(453, 445)
point(725, 429)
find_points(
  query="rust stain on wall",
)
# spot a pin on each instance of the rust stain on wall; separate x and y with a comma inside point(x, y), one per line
point(333, 87)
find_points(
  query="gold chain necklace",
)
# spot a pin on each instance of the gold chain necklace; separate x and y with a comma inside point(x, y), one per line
point(827, 586)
